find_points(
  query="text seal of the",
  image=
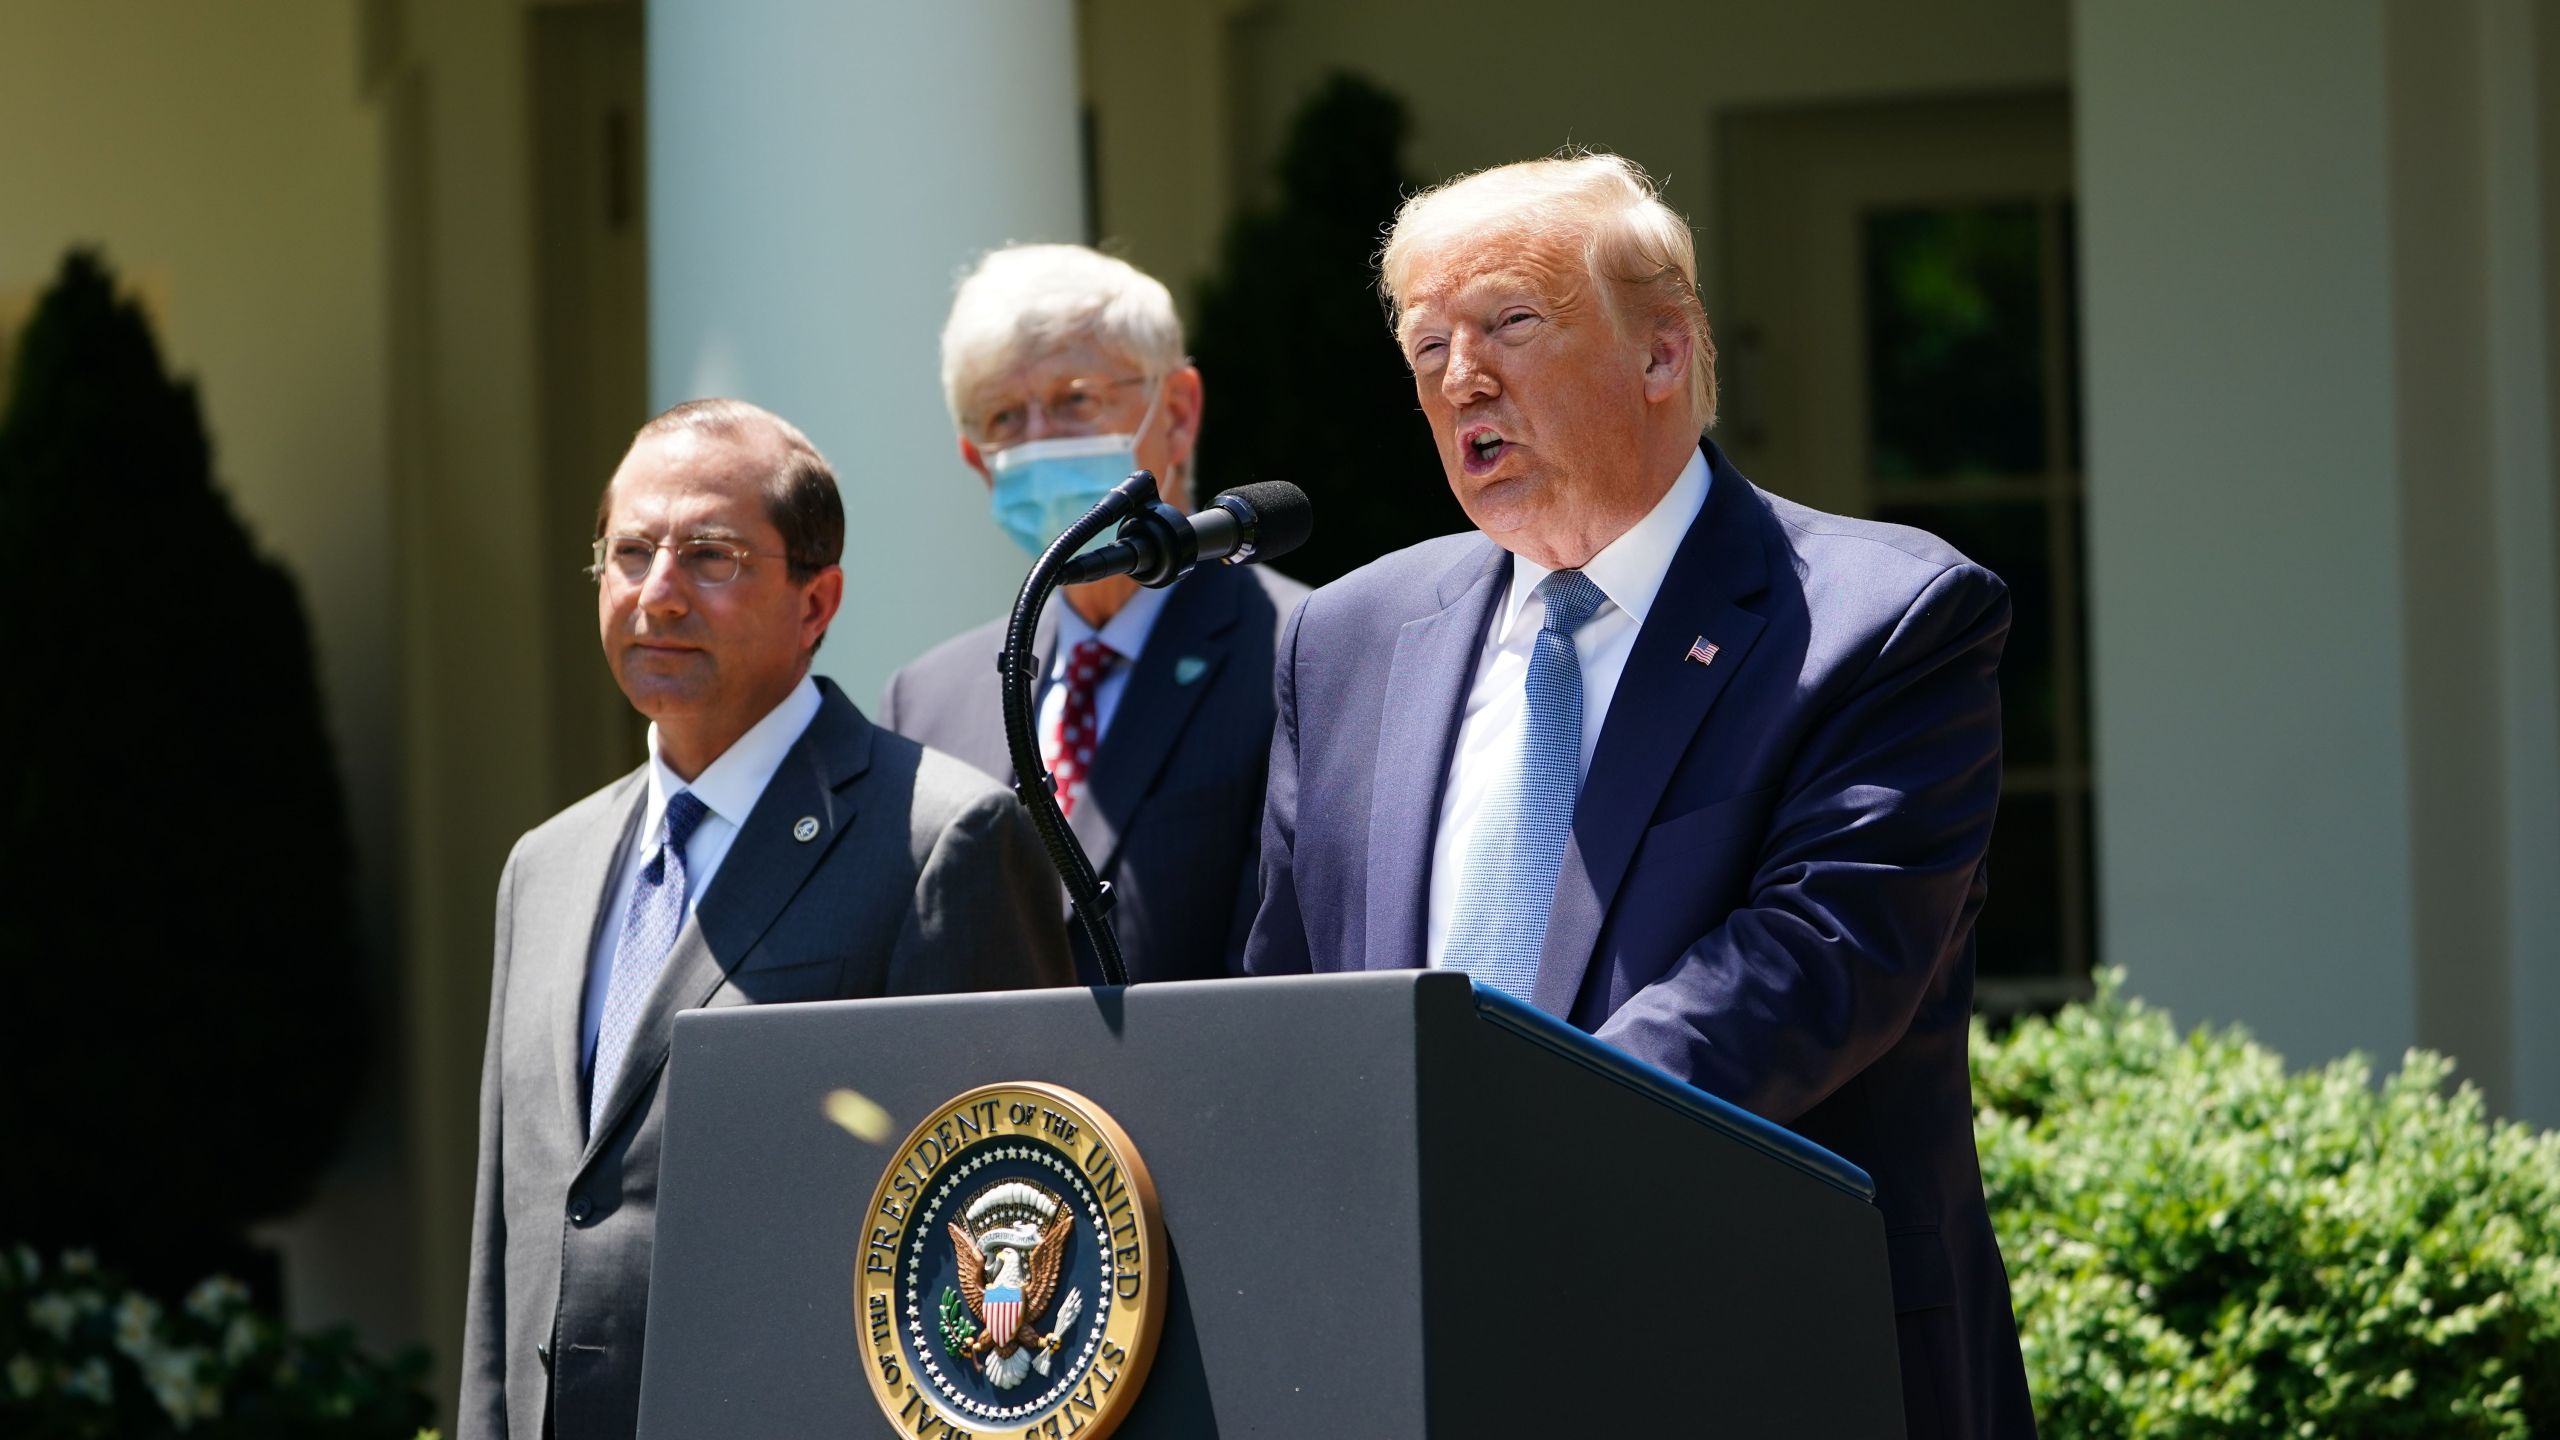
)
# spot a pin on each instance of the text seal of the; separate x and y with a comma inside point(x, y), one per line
point(1011, 1274)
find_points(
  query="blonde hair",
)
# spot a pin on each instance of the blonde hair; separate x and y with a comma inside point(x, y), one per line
point(1023, 300)
point(1634, 246)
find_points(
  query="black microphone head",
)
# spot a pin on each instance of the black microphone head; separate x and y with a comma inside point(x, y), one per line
point(1283, 517)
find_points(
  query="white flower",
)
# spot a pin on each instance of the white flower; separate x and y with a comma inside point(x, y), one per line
point(79, 1262)
point(137, 1321)
point(26, 1377)
point(171, 1374)
point(239, 1338)
point(91, 1380)
point(215, 1297)
point(54, 1314)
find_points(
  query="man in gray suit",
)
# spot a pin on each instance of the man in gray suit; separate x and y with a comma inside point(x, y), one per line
point(776, 846)
point(1064, 370)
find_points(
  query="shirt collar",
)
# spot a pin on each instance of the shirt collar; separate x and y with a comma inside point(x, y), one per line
point(1629, 570)
point(1125, 632)
point(731, 784)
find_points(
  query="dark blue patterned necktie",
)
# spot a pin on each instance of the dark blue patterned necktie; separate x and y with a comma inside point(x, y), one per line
point(1518, 845)
point(649, 929)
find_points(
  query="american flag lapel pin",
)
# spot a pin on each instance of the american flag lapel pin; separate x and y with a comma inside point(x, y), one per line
point(1701, 651)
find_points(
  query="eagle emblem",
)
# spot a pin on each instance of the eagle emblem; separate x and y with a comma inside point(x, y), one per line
point(1010, 1244)
point(1010, 1269)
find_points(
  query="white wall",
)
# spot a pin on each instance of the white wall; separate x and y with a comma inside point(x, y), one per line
point(816, 183)
point(1188, 93)
point(224, 159)
point(2476, 92)
point(2318, 338)
point(2523, 227)
point(475, 657)
point(226, 162)
point(2243, 516)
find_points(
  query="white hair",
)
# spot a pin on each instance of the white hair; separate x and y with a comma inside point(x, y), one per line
point(1023, 300)
point(1598, 208)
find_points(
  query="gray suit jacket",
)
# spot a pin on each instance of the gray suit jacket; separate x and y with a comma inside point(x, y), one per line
point(923, 877)
point(1173, 816)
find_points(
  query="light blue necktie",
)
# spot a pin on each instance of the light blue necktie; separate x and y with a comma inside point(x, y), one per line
point(649, 930)
point(1510, 878)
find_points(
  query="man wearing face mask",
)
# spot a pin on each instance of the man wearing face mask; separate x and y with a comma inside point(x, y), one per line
point(1064, 370)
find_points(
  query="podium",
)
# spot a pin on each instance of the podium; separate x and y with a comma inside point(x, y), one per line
point(1392, 1205)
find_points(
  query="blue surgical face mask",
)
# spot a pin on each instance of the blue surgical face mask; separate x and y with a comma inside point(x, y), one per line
point(1041, 486)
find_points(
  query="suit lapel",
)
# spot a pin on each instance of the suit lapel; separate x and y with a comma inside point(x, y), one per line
point(976, 733)
point(571, 929)
point(1661, 701)
point(1435, 662)
point(766, 866)
point(1181, 660)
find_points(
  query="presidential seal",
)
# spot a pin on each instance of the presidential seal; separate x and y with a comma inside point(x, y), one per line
point(1011, 1275)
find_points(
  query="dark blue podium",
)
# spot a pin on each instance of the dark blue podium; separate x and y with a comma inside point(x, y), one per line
point(1393, 1206)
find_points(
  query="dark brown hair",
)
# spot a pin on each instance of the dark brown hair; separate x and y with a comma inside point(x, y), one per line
point(800, 497)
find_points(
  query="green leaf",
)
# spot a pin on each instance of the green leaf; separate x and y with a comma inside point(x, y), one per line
point(2201, 1243)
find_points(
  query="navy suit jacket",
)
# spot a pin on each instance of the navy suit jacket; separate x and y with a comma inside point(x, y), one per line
point(1775, 863)
point(1173, 811)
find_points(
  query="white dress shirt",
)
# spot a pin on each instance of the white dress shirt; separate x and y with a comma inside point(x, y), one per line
point(1495, 727)
point(1126, 633)
point(728, 788)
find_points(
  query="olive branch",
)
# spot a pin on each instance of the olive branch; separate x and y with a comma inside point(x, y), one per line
point(957, 1328)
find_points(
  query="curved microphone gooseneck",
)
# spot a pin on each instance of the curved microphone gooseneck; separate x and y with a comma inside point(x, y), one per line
point(1091, 897)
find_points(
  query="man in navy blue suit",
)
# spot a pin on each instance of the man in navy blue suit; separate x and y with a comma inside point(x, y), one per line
point(1704, 772)
point(1064, 369)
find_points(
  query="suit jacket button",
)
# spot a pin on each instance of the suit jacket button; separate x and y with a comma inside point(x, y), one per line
point(580, 1209)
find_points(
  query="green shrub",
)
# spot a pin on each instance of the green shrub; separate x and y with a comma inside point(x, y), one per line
point(184, 1026)
point(1306, 383)
point(2200, 1244)
point(82, 1357)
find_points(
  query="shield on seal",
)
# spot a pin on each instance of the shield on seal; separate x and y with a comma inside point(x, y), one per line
point(1004, 1310)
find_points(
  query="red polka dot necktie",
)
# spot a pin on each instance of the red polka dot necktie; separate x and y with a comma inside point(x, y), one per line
point(1069, 751)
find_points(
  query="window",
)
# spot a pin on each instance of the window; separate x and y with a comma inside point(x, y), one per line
point(1899, 334)
point(1973, 435)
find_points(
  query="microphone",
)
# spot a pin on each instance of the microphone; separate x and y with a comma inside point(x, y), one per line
point(1159, 544)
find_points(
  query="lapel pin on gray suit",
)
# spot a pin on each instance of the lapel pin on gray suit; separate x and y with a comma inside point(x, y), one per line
point(775, 845)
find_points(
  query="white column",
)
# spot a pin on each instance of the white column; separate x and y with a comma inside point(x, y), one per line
point(2319, 326)
point(2245, 557)
point(2518, 44)
point(818, 174)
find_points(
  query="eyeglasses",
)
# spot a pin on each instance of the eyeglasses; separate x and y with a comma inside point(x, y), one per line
point(703, 562)
point(1074, 405)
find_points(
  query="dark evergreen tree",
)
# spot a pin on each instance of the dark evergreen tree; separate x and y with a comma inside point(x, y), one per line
point(1305, 383)
point(181, 1021)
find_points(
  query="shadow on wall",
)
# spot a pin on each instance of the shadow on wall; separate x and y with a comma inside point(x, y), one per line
point(1305, 382)
point(182, 1033)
